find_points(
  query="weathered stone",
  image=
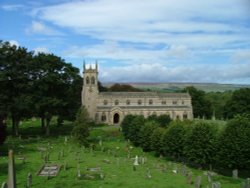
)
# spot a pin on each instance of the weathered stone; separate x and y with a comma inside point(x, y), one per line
point(198, 182)
point(4, 185)
point(235, 174)
point(29, 180)
point(11, 171)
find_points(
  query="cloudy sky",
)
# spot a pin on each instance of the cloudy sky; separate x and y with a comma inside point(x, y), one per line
point(138, 40)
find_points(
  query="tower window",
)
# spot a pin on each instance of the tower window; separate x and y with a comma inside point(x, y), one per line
point(150, 101)
point(139, 102)
point(92, 80)
point(128, 102)
point(116, 102)
point(105, 102)
point(87, 80)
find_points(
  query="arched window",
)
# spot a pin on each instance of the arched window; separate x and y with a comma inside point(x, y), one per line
point(87, 80)
point(116, 102)
point(103, 117)
point(92, 80)
point(185, 116)
point(182, 102)
point(139, 102)
point(105, 102)
point(128, 102)
point(163, 102)
point(150, 102)
point(174, 102)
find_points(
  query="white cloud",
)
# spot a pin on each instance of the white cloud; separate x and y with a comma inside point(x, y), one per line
point(41, 50)
point(40, 28)
point(12, 7)
point(14, 42)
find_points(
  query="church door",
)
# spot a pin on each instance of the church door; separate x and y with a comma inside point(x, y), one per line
point(116, 118)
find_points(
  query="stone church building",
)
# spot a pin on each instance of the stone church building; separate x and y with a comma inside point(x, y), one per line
point(112, 107)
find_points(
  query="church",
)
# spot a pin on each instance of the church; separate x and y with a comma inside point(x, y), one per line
point(112, 107)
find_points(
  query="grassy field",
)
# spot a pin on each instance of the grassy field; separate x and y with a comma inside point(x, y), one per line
point(112, 158)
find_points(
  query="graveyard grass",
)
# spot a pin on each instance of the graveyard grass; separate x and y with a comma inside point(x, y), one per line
point(118, 173)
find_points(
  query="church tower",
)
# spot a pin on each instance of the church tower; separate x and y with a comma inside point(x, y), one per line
point(90, 89)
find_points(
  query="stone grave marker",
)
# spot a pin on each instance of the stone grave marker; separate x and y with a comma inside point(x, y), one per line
point(49, 170)
point(101, 176)
point(198, 182)
point(209, 177)
point(235, 174)
point(216, 185)
point(11, 170)
point(29, 180)
point(246, 183)
point(184, 170)
point(94, 169)
point(106, 161)
point(148, 175)
point(190, 178)
point(136, 161)
point(4, 185)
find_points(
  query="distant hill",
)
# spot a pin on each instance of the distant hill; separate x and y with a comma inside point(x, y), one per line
point(177, 87)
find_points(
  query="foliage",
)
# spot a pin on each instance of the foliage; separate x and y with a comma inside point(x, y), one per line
point(163, 120)
point(173, 139)
point(126, 124)
point(201, 106)
point(156, 140)
point(239, 103)
point(200, 143)
point(80, 131)
point(123, 87)
point(145, 134)
point(234, 143)
point(218, 101)
point(134, 130)
point(3, 133)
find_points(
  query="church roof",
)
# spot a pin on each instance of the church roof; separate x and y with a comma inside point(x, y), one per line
point(144, 94)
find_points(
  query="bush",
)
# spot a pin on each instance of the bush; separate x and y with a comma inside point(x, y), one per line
point(80, 131)
point(145, 134)
point(234, 144)
point(156, 140)
point(126, 124)
point(200, 143)
point(173, 139)
point(134, 130)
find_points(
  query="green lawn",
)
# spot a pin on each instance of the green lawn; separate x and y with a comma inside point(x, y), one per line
point(118, 173)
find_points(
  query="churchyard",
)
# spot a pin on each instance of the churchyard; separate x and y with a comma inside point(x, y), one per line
point(110, 161)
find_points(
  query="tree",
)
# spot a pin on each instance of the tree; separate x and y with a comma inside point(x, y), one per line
point(173, 139)
point(80, 131)
point(15, 82)
point(200, 143)
point(239, 103)
point(134, 130)
point(57, 88)
point(234, 143)
point(3, 126)
point(156, 143)
point(126, 124)
point(145, 134)
point(201, 106)
point(123, 87)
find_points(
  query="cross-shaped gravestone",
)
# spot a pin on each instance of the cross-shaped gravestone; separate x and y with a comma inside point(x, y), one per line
point(198, 182)
point(235, 174)
point(29, 180)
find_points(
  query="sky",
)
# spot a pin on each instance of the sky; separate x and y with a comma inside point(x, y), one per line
point(138, 40)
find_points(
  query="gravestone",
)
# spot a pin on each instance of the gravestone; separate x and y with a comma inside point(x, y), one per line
point(235, 174)
point(216, 185)
point(198, 182)
point(11, 171)
point(184, 170)
point(29, 180)
point(148, 175)
point(190, 178)
point(4, 185)
point(209, 177)
point(100, 142)
point(246, 184)
point(136, 161)
point(79, 174)
point(49, 170)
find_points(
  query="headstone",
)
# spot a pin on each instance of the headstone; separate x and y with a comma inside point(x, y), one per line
point(216, 185)
point(148, 175)
point(209, 177)
point(100, 143)
point(235, 174)
point(29, 180)
point(184, 170)
point(136, 161)
point(246, 184)
point(4, 185)
point(11, 171)
point(101, 176)
point(190, 178)
point(79, 174)
point(198, 182)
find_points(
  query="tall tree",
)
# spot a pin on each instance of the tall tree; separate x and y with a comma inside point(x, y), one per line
point(16, 82)
point(201, 106)
point(239, 103)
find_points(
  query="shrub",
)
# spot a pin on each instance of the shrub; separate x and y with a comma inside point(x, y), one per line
point(126, 124)
point(234, 143)
point(134, 130)
point(200, 143)
point(156, 140)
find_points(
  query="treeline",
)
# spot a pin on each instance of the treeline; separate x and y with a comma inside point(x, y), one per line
point(40, 85)
point(197, 143)
point(118, 88)
point(220, 105)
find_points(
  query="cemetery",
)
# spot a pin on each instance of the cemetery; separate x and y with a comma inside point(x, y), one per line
point(109, 161)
